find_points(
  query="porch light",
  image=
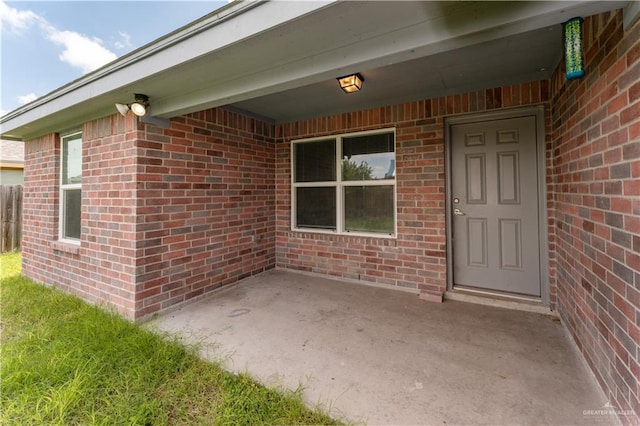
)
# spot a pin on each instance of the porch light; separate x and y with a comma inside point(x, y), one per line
point(573, 53)
point(351, 83)
point(139, 107)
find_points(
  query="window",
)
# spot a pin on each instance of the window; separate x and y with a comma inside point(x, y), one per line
point(70, 187)
point(345, 184)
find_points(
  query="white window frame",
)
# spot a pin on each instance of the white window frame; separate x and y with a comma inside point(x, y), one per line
point(64, 188)
point(339, 185)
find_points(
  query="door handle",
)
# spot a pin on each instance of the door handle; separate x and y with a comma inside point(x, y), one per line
point(458, 212)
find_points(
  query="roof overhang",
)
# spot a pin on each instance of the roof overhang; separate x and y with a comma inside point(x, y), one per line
point(280, 59)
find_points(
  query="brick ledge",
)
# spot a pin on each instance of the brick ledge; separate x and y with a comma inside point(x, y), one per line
point(65, 247)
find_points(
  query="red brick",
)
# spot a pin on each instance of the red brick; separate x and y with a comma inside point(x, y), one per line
point(630, 114)
point(617, 103)
point(631, 187)
point(634, 93)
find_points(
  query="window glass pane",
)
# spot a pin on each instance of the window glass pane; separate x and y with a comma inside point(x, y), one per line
point(315, 161)
point(316, 207)
point(368, 157)
point(72, 159)
point(71, 214)
point(369, 209)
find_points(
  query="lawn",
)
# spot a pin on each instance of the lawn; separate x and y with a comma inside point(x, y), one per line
point(66, 362)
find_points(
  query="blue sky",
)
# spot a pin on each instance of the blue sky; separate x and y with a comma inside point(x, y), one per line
point(46, 44)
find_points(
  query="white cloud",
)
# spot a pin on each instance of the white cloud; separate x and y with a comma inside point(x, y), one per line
point(15, 20)
point(25, 99)
point(125, 42)
point(79, 51)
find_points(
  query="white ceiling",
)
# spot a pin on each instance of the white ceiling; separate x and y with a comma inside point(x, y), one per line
point(280, 59)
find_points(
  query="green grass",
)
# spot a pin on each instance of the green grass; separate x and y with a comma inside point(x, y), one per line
point(384, 224)
point(66, 362)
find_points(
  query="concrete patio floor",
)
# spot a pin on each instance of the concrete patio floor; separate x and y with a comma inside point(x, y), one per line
point(379, 356)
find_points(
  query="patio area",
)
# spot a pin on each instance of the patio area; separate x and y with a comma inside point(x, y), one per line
point(378, 356)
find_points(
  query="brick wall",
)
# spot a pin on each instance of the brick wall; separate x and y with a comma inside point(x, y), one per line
point(40, 207)
point(596, 174)
point(101, 268)
point(416, 259)
point(206, 200)
point(171, 214)
point(167, 214)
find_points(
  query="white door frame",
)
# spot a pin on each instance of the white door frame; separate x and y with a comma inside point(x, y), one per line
point(538, 112)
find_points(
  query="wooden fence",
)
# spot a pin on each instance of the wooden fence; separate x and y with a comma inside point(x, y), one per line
point(10, 218)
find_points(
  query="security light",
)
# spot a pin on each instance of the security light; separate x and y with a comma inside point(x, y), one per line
point(139, 107)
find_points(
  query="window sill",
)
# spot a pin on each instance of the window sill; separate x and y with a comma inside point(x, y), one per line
point(345, 234)
point(373, 239)
point(65, 247)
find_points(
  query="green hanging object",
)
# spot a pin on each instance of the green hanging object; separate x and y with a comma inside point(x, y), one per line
point(573, 54)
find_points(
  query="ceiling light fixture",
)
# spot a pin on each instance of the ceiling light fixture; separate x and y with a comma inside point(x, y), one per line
point(139, 107)
point(351, 83)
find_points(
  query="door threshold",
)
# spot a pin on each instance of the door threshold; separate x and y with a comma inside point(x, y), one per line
point(507, 301)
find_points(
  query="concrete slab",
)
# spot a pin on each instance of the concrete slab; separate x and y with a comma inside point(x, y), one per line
point(379, 356)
